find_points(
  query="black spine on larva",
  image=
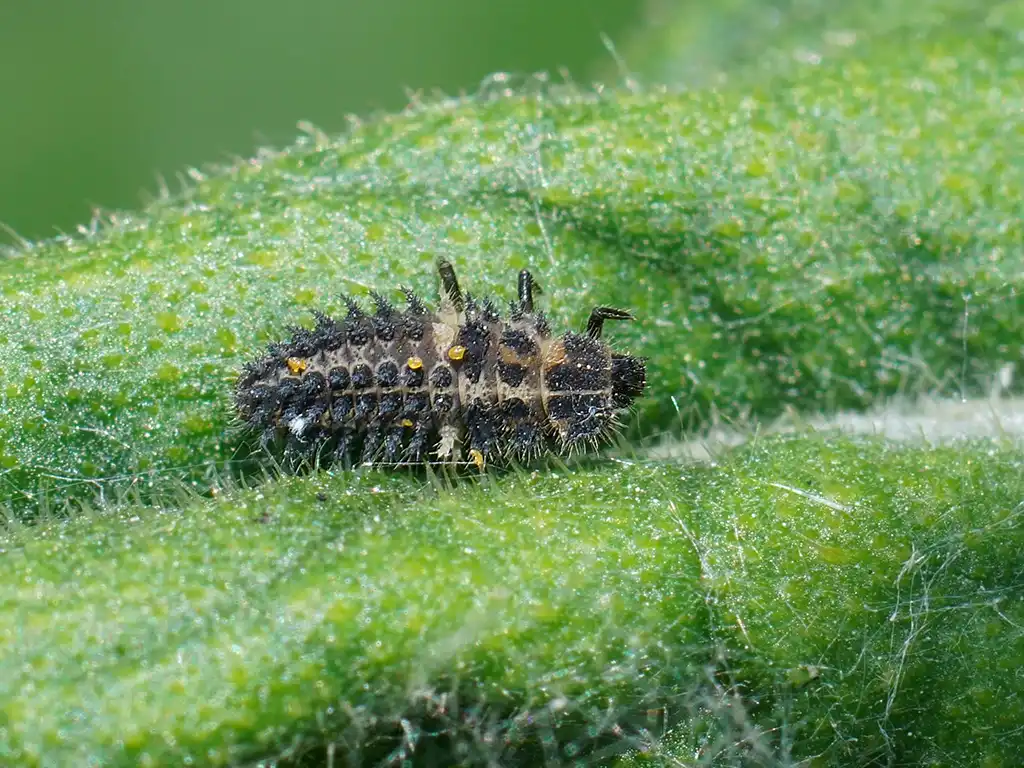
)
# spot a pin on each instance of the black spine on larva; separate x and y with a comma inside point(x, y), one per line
point(415, 317)
point(475, 338)
point(330, 334)
point(384, 325)
point(358, 327)
point(459, 384)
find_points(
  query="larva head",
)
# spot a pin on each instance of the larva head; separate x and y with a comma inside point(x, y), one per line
point(586, 385)
point(629, 377)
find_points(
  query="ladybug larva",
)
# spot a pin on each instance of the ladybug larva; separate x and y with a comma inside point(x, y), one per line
point(462, 384)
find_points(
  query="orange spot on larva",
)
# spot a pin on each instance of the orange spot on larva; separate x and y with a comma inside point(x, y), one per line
point(414, 363)
point(477, 457)
point(295, 365)
point(556, 355)
point(456, 353)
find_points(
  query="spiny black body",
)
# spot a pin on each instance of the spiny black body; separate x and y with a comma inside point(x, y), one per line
point(459, 384)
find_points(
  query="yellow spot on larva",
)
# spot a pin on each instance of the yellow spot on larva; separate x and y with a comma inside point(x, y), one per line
point(414, 363)
point(406, 422)
point(477, 457)
point(456, 353)
point(295, 365)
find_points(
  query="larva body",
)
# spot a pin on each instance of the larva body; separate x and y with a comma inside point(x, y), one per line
point(458, 384)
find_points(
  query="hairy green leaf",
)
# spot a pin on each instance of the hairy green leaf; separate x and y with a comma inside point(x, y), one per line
point(838, 223)
point(809, 596)
point(840, 228)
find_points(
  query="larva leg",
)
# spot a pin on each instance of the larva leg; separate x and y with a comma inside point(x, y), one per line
point(344, 446)
point(418, 441)
point(393, 444)
point(372, 442)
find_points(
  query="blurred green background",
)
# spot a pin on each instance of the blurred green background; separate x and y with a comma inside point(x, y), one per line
point(99, 100)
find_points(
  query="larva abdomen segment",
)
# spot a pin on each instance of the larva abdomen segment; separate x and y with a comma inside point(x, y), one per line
point(459, 384)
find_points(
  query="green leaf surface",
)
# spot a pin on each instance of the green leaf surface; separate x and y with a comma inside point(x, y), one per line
point(829, 233)
point(833, 223)
point(810, 596)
